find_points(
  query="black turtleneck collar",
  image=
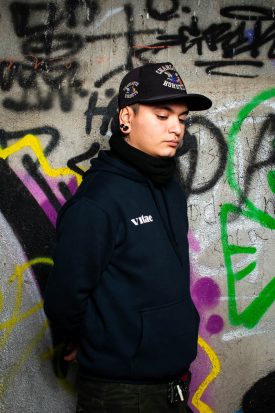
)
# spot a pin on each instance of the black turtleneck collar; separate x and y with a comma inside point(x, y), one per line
point(159, 170)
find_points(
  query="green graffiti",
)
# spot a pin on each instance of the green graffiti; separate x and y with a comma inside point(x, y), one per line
point(271, 180)
point(252, 314)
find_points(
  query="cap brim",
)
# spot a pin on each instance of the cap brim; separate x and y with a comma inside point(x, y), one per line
point(194, 101)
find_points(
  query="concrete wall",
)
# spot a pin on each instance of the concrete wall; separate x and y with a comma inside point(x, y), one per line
point(60, 66)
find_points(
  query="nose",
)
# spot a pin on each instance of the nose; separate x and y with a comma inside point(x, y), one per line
point(177, 127)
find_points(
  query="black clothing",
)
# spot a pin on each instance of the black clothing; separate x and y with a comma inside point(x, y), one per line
point(120, 282)
point(96, 397)
point(159, 170)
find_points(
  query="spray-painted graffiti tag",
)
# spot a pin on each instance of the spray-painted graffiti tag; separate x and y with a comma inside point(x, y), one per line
point(50, 54)
point(233, 41)
point(255, 310)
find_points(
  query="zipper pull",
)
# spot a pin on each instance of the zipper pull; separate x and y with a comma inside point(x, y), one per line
point(180, 393)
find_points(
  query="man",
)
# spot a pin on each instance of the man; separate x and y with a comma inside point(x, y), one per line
point(119, 292)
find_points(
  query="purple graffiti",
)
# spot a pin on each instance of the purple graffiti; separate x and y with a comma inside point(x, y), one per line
point(214, 324)
point(206, 293)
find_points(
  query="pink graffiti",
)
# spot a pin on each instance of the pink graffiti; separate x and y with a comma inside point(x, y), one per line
point(206, 296)
point(41, 198)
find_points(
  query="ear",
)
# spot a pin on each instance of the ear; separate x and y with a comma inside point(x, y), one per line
point(125, 119)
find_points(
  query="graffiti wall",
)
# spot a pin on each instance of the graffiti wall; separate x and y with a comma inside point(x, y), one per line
point(61, 63)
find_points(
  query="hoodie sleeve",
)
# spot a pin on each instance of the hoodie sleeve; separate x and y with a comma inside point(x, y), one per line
point(84, 246)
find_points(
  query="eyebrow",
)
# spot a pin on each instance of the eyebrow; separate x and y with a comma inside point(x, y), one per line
point(170, 109)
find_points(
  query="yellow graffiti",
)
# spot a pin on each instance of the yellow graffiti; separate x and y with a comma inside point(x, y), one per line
point(18, 275)
point(33, 142)
point(7, 379)
point(216, 367)
point(8, 326)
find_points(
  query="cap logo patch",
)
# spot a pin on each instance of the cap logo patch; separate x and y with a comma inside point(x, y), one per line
point(130, 90)
point(162, 69)
point(174, 81)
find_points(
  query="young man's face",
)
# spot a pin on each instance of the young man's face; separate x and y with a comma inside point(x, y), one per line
point(156, 129)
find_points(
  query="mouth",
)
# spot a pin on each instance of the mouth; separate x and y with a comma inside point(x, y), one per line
point(173, 143)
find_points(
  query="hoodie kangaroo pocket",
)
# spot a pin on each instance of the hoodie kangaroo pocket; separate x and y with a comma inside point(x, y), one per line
point(168, 341)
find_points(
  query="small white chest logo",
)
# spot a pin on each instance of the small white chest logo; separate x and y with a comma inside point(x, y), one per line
point(144, 219)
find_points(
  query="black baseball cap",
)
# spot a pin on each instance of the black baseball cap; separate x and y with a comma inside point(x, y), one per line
point(157, 82)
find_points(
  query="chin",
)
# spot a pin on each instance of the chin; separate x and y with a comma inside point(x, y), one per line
point(168, 153)
point(163, 153)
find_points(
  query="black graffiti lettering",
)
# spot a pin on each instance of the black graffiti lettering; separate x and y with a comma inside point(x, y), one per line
point(193, 31)
point(90, 153)
point(130, 38)
point(8, 72)
point(128, 65)
point(215, 34)
point(71, 9)
point(211, 65)
point(108, 113)
point(57, 46)
point(259, 39)
point(18, 206)
point(41, 39)
point(129, 12)
point(54, 137)
point(191, 148)
point(100, 82)
point(64, 190)
point(271, 52)
point(24, 13)
point(232, 40)
point(261, 13)
point(60, 79)
point(254, 165)
point(26, 77)
point(26, 103)
point(153, 10)
point(71, 6)
point(91, 111)
point(33, 170)
point(46, 50)
point(31, 166)
point(190, 36)
point(56, 74)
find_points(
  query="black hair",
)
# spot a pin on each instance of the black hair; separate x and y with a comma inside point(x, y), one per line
point(135, 107)
point(260, 398)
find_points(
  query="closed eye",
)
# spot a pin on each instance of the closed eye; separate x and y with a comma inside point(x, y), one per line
point(163, 117)
point(183, 121)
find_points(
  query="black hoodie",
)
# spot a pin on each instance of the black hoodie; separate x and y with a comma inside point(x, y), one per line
point(120, 283)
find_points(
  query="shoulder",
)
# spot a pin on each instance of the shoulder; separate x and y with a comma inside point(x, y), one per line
point(107, 189)
point(99, 193)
